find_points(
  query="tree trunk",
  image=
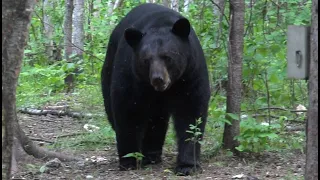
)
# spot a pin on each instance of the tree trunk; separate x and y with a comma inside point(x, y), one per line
point(110, 7)
point(78, 29)
point(175, 5)
point(311, 171)
point(186, 5)
point(235, 51)
point(67, 28)
point(16, 16)
point(117, 4)
point(48, 28)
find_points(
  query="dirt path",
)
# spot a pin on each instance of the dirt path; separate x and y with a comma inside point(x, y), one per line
point(102, 164)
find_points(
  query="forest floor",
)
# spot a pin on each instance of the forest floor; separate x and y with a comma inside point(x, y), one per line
point(102, 163)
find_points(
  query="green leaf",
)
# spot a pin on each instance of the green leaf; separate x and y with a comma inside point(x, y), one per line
point(274, 78)
point(273, 136)
point(240, 148)
point(129, 155)
point(233, 116)
point(27, 51)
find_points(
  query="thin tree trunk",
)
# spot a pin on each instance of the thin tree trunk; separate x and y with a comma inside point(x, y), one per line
point(311, 171)
point(235, 51)
point(175, 5)
point(117, 4)
point(216, 11)
point(110, 7)
point(67, 28)
point(16, 16)
point(78, 27)
point(48, 28)
point(186, 5)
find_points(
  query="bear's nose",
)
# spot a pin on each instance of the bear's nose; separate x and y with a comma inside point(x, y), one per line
point(157, 81)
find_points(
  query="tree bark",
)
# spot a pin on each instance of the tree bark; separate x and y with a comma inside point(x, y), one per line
point(67, 28)
point(48, 28)
point(110, 7)
point(175, 5)
point(117, 4)
point(235, 51)
point(78, 29)
point(311, 170)
point(16, 16)
point(186, 5)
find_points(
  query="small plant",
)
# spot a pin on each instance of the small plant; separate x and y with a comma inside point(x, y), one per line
point(196, 133)
point(138, 156)
point(256, 137)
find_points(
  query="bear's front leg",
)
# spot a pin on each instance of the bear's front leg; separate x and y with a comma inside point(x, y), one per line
point(129, 127)
point(128, 141)
point(188, 160)
point(193, 108)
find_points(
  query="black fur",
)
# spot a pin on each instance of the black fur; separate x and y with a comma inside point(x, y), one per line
point(138, 113)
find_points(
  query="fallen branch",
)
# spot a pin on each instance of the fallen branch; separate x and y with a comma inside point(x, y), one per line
point(295, 128)
point(275, 108)
point(58, 113)
point(41, 140)
point(276, 117)
point(71, 134)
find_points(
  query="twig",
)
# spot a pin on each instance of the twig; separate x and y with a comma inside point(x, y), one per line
point(71, 134)
point(220, 9)
point(41, 140)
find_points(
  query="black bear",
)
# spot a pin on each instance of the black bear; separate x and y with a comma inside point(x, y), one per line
point(155, 69)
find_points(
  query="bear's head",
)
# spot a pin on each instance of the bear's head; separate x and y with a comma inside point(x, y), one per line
point(161, 54)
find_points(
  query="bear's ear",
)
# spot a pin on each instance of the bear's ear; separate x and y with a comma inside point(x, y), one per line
point(181, 28)
point(133, 36)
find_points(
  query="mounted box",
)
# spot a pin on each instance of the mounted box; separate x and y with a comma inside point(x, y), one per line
point(298, 52)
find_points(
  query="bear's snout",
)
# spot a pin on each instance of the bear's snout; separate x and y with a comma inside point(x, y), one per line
point(159, 76)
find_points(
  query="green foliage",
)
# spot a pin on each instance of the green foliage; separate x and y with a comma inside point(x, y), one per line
point(256, 137)
point(137, 155)
point(195, 132)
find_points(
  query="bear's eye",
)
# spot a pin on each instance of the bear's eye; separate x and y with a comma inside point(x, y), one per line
point(167, 58)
